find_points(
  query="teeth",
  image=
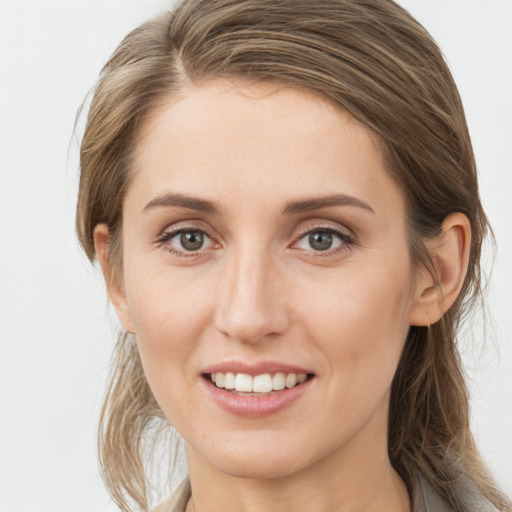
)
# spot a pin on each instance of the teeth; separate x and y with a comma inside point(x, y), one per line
point(278, 381)
point(229, 381)
point(291, 380)
point(243, 382)
point(264, 383)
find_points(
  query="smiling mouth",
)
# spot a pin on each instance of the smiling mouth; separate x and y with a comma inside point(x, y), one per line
point(257, 385)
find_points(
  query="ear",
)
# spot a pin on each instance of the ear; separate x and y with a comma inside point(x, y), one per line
point(113, 282)
point(450, 255)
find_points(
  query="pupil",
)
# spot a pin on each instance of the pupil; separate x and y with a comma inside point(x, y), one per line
point(191, 240)
point(320, 241)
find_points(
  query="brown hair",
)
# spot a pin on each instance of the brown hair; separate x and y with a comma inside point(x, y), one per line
point(372, 59)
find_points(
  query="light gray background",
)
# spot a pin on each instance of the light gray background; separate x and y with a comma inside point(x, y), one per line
point(55, 327)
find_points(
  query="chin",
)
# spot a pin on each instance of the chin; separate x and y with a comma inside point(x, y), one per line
point(259, 467)
point(262, 460)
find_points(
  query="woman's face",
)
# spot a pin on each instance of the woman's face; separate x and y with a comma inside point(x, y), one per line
point(262, 236)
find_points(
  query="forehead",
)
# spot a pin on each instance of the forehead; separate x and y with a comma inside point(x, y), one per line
point(259, 139)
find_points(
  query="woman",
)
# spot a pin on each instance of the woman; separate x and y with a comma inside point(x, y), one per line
point(282, 197)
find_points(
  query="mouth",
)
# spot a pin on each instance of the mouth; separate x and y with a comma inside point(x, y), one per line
point(263, 384)
point(258, 389)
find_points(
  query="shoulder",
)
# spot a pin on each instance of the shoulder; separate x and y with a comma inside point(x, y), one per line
point(177, 502)
point(427, 499)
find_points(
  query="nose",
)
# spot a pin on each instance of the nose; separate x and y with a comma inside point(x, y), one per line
point(251, 303)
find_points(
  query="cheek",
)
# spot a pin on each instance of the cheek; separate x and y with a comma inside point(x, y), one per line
point(360, 328)
point(170, 312)
point(167, 306)
point(361, 321)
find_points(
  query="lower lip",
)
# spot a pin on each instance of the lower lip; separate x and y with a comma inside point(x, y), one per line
point(256, 406)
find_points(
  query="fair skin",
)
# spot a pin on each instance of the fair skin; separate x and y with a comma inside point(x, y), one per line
point(267, 280)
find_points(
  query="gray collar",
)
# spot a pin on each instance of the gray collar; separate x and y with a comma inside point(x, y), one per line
point(427, 499)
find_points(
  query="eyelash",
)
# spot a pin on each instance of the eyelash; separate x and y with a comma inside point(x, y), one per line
point(347, 241)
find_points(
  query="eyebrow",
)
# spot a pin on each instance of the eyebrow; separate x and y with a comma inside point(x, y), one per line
point(325, 202)
point(292, 207)
point(182, 201)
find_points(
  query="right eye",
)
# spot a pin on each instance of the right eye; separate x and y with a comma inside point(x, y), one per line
point(183, 241)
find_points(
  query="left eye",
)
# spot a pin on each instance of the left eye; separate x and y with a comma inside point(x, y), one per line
point(321, 240)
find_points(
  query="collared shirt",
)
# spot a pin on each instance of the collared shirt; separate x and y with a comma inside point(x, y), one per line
point(425, 499)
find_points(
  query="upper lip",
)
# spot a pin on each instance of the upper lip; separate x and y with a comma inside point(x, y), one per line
point(254, 368)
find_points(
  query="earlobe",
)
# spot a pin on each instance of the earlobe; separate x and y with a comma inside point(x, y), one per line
point(450, 255)
point(113, 283)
